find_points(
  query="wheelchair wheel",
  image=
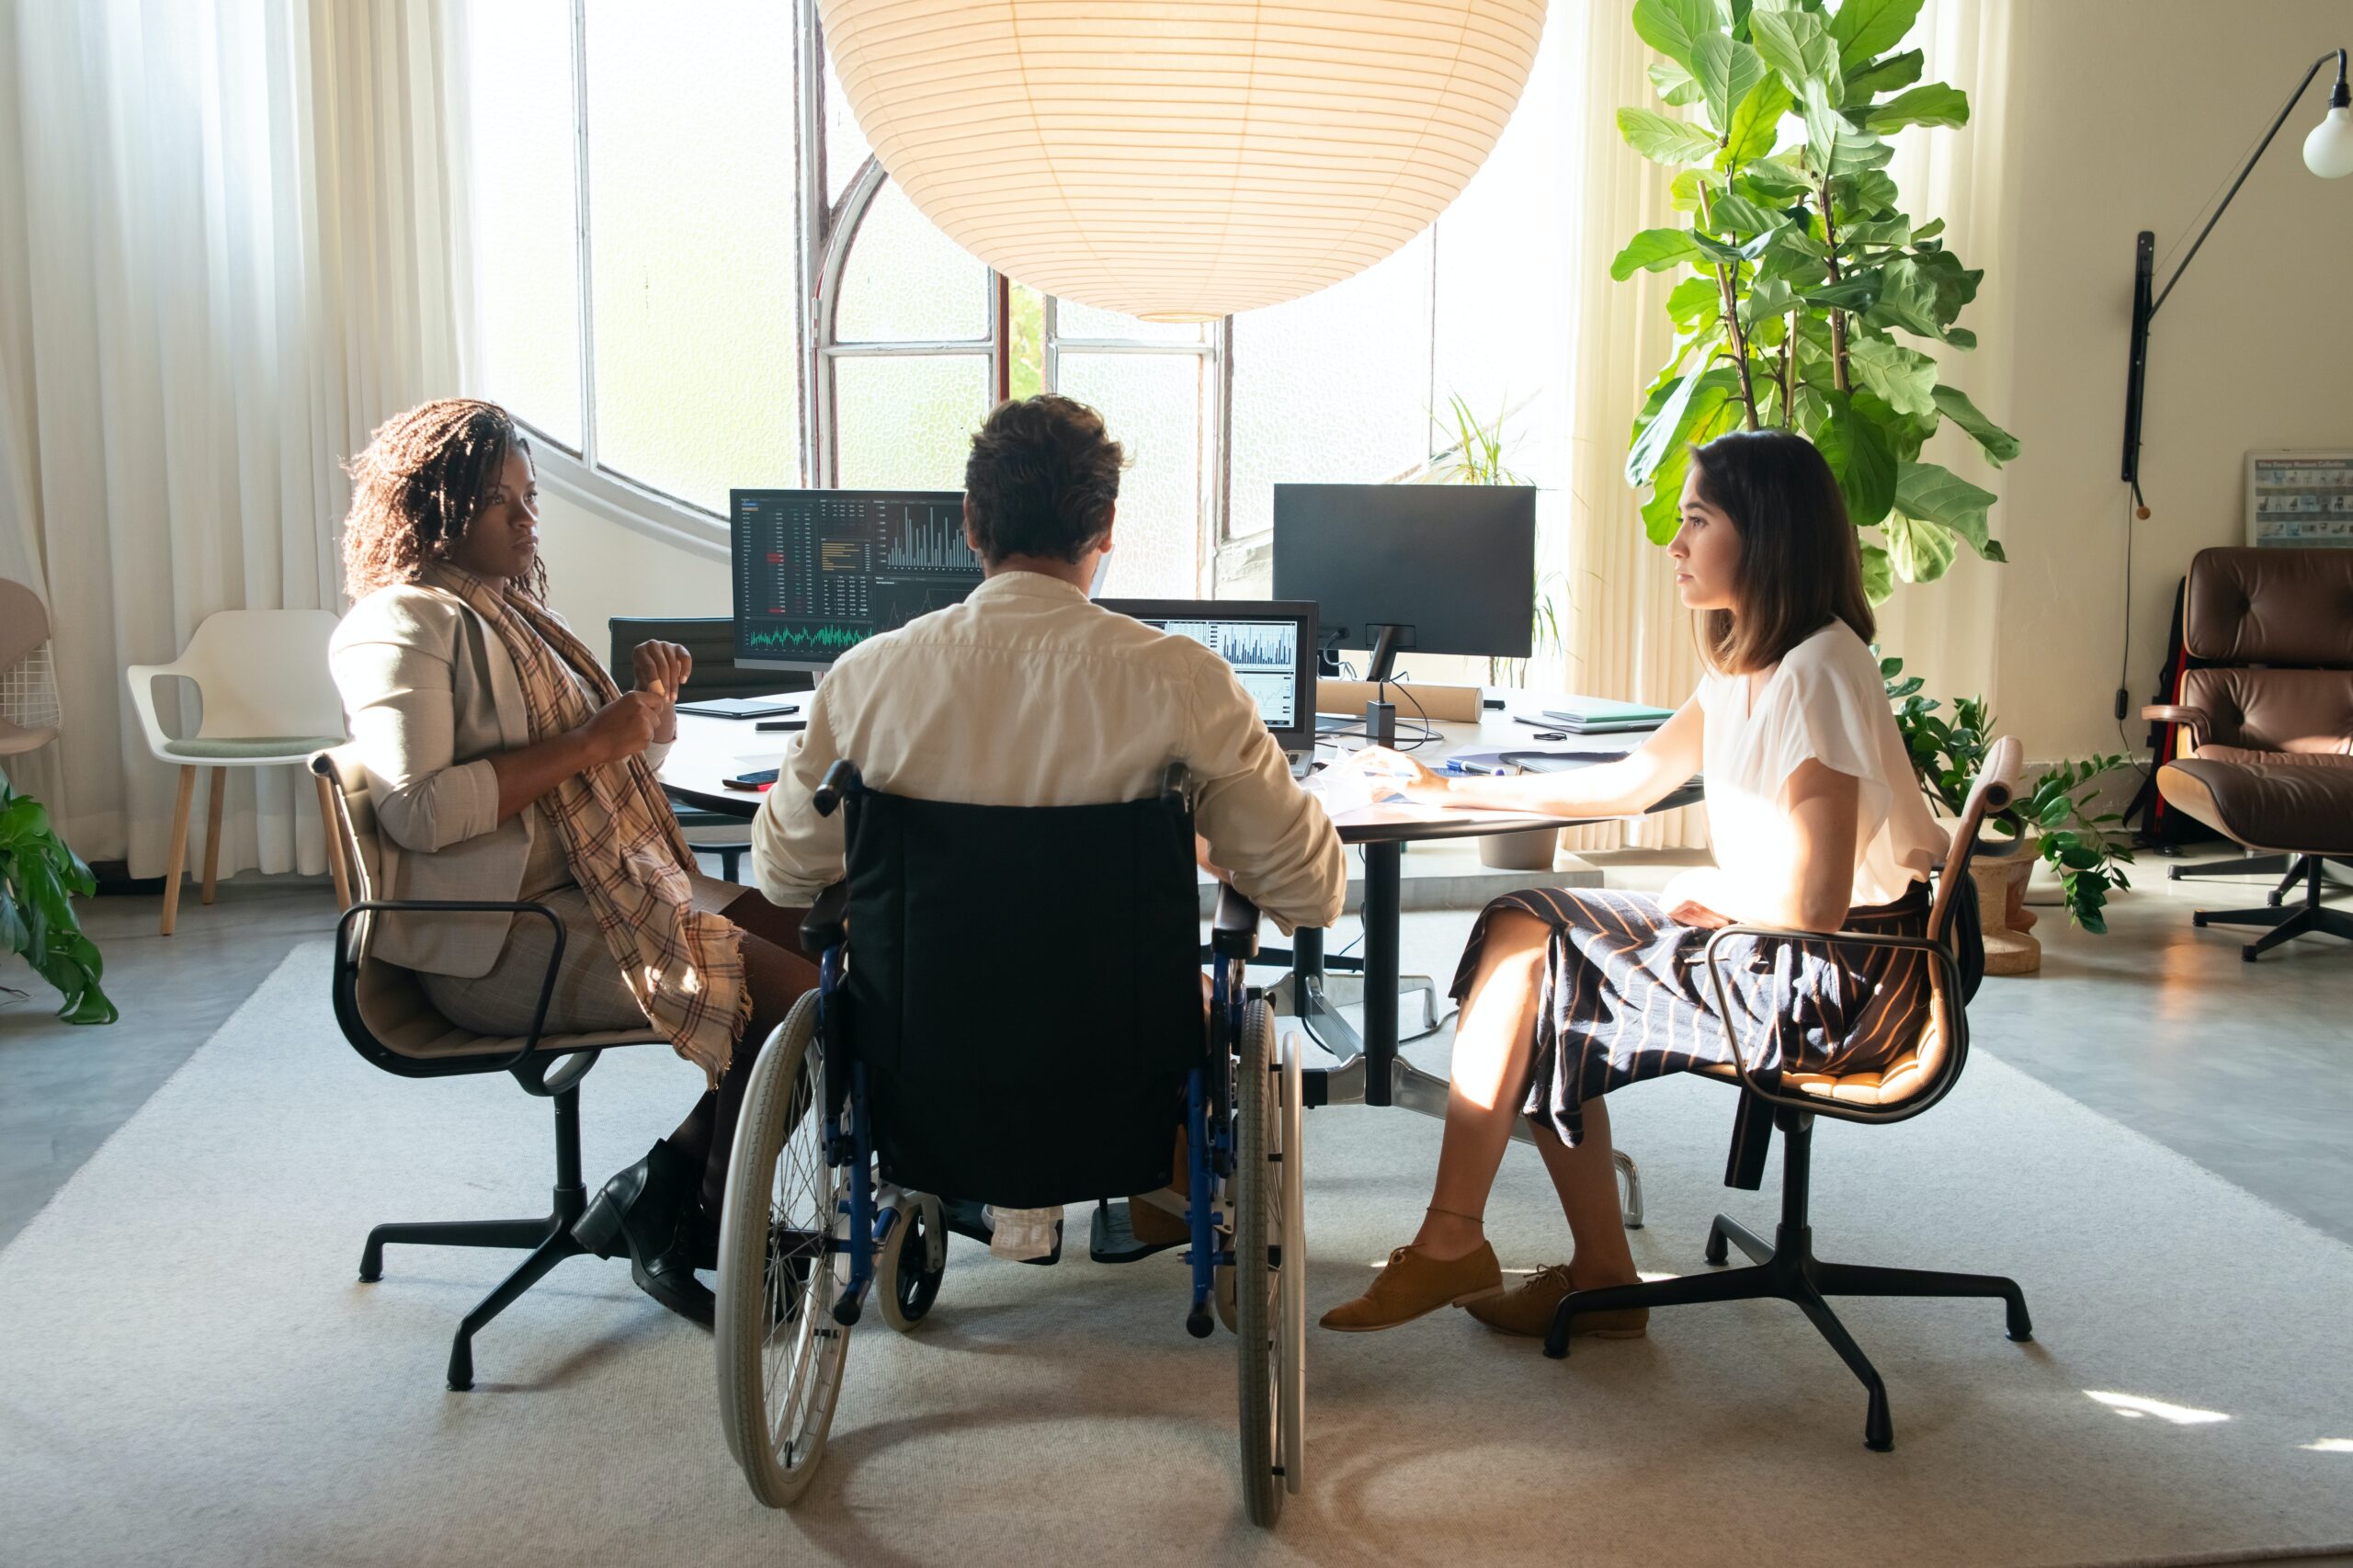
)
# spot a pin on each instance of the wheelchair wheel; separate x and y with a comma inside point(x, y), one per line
point(906, 1277)
point(1270, 1265)
point(782, 1264)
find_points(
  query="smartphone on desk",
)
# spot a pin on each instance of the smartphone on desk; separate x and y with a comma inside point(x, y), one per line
point(758, 779)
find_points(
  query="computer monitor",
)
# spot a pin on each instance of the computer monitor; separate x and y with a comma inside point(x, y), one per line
point(818, 572)
point(1429, 568)
point(1270, 642)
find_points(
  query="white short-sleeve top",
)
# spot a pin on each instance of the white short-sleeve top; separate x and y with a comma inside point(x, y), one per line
point(1825, 701)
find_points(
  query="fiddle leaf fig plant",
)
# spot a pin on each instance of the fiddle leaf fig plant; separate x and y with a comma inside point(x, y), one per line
point(40, 878)
point(1808, 298)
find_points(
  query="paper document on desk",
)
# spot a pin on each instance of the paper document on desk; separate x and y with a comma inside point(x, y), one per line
point(1344, 789)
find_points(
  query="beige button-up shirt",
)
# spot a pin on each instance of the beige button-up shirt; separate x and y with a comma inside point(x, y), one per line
point(1028, 694)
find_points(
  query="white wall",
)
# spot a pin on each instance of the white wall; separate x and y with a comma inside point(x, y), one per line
point(598, 569)
point(2127, 115)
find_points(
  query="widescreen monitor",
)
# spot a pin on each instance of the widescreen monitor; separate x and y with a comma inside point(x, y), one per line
point(818, 572)
point(1420, 568)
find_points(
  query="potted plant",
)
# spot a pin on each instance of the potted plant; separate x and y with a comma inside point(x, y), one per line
point(40, 878)
point(1801, 269)
point(2071, 835)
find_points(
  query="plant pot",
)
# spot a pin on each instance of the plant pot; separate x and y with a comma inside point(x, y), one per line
point(1531, 850)
point(2001, 902)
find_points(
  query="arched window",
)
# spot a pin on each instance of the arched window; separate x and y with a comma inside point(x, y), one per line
point(689, 274)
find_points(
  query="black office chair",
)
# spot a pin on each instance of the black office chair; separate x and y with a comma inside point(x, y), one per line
point(384, 1013)
point(711, 640)
point(1786, 1269)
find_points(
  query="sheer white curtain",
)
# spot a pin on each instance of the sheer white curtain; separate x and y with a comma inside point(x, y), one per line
point(223, 237)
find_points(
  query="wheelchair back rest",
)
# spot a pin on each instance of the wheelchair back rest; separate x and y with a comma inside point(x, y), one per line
point(1001, 945)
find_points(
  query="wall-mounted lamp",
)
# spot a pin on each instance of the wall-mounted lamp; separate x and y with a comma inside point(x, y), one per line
point(2328, 153)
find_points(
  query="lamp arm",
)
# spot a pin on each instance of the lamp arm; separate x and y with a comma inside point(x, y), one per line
point(2285, 110)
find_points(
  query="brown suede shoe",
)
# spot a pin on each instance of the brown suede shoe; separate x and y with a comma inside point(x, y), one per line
point(1527, 1310)
point(1414, 1284)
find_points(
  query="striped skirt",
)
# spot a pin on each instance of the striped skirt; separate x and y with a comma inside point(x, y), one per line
point(1626, 997)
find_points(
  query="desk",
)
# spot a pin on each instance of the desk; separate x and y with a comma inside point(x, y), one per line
point(1369, 1071)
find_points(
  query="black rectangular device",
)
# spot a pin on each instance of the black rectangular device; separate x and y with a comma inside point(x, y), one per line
point(1270, 642)
point(818, 572)
point(1421, 568)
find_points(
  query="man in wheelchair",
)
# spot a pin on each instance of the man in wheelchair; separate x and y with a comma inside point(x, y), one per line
point(1028, 694)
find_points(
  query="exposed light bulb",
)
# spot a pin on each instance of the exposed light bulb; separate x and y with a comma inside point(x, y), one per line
point(2328, 151)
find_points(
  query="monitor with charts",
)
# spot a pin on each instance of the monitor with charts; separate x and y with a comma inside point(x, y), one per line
point(1270, 642)
point(818, 572)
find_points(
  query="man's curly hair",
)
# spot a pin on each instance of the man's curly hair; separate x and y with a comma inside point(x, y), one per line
point(419, 485)
point(1042, 479)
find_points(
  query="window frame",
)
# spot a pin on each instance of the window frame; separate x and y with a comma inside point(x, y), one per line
point(825, 237)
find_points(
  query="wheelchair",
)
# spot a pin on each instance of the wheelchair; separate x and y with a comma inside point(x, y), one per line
point(880, 1098)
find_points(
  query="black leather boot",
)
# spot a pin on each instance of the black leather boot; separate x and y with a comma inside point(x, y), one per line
point(646, 1207)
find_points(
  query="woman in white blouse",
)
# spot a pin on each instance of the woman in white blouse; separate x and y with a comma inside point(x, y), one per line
point(1818, 825)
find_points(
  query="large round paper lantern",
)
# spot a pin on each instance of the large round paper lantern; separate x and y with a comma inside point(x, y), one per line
point(1184, 160)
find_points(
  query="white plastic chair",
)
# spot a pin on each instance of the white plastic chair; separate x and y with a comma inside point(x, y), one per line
point(268, 701)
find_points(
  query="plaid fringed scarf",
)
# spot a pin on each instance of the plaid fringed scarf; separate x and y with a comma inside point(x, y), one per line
point(685, 967)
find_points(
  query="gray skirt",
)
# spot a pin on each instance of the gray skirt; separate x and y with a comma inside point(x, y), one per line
point(590, 991)
point(1626, 997)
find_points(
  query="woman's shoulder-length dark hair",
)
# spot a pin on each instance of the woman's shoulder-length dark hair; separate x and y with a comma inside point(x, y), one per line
point(1800, 566)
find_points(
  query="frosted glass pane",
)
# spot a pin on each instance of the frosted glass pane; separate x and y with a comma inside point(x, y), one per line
point(1025, 341)
point(846, 147)
point(907, 282)
point(1333, 389)
point(525, 231)
point(907, 424)
point(1074, 320)
point(1152, 404)
point(1503, 248)
point(691, 215)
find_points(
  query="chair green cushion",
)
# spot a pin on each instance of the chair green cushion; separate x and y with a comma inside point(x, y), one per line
point(293, 748)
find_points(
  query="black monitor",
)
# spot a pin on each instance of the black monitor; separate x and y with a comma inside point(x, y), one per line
point(1426, 568)
point(1270, 642)
point(818, 572)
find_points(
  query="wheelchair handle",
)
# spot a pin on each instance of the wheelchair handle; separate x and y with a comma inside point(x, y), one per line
point(841, 782)
point(1233, 929)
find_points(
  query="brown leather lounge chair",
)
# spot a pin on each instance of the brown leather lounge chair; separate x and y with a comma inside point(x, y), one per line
point(2269, 704)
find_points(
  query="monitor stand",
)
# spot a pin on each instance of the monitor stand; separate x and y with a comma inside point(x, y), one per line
point(1382, 667)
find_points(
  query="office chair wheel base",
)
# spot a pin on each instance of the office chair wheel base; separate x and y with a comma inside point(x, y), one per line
point(914, 1258)
point(781, 1352)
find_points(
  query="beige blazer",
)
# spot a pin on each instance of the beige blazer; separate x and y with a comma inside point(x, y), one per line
point(431, 693)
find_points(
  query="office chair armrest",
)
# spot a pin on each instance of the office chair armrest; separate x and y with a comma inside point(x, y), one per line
point(2194, 720)
point(1942, 954)
point(344, 955)
point(827, 923)
point(1233, 928)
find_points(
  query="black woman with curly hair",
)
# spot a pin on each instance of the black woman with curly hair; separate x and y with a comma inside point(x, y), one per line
point(504, 764)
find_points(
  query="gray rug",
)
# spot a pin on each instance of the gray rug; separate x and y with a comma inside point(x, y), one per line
point(190, 1375)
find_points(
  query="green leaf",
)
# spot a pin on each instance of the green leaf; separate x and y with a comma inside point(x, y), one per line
point(1796, 44)
point(1878, 576)
point(1936, 494)
point(1960, 337)
point(1863, 27)
point(1674, 28)
point(1770, 178)
point(1920, 551)
point(1693, 302)
point(1877, 231)
point(1833, 145)
point(1730, 214)
point(1661, 512)
point(1728, 71)
point(1998, 444)
point(1656, 250)
point(1857, 452)
point(1771, 297)
point(1675, 84)
point(1928, 229)
point(1936, 104)
point(1907, 298)
point(1846, 294)
point(1756, 127)
point(22, 820)
point(1665, 141)
point(1884, 76)
point(1905, 377)
point(1694, 400)
point(1683, 191)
